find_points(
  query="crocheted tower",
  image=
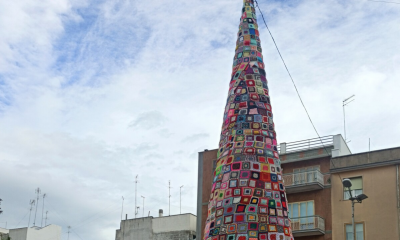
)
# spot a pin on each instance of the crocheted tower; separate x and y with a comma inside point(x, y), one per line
point(248, 199)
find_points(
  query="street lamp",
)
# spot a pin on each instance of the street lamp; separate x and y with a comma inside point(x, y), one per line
point(357, 199)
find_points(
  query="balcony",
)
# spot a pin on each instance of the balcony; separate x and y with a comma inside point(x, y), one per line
point(308, 226)
point(303, 181)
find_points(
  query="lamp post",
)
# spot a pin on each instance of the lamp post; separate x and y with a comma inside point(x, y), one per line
point(357, 199)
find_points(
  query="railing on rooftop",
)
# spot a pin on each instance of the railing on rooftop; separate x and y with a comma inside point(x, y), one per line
point(308, 144)
point(308, 223)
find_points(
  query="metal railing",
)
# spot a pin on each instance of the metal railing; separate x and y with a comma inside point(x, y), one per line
point(308, 223)
point(293, 179)
point(305, 144)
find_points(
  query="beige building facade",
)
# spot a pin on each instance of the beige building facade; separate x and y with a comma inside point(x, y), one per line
point(375, 174)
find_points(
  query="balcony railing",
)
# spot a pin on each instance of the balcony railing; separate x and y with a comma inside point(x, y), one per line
point(308, 226)
point(303, 181)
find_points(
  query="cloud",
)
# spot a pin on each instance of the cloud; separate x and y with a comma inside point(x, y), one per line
point(195, 137)
point(75, 74)
point(149, 120)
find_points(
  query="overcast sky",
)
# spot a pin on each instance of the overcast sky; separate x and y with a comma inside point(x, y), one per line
point(93, 93)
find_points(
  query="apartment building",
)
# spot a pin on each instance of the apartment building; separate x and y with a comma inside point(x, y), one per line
point(375, 174)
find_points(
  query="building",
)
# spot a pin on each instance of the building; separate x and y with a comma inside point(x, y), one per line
point(4, 234)
point(176, 227)
point(375, 174)
point(36, 233)
point(306, 174)
point(307, 179)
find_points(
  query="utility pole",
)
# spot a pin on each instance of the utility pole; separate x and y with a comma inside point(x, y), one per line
point(41, 223)
point(69, 227)
point(345, 103)
point(32, 202)
point(136, 181)
point(122, 207)
point(37, 203)
point(143, 205)
point(169, 197)
point(45, 221)
point(180, 199)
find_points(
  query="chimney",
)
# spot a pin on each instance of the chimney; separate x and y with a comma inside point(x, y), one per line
point(160, 213)
point(126, 217)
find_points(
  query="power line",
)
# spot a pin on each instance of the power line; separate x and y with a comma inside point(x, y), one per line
point(294, 84)
point(383, 1)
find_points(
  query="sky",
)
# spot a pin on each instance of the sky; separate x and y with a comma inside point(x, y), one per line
point(93, 93)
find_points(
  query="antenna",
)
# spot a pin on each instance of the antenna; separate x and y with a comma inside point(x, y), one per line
point(143, 205)
point(137, 211)
point(37, 191)
point(41, 223)
point(122, 210)
point(32, 203)
point(169, 197)
point(180, 199)
point(136, 182)
point(69, 227)
point(345, 103)
point(45, 221)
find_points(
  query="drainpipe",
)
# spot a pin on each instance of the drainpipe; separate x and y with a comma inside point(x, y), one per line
point(398, 204)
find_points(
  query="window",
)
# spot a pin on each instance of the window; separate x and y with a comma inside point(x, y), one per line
point(305, 175)
point(359, 231)
point(356, 188)
point(302, 213)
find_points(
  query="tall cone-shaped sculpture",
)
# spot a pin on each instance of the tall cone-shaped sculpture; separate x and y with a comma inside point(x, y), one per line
point(248, 199)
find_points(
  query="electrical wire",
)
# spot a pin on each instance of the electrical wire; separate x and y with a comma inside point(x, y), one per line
point(294, 84)
point(383, 1)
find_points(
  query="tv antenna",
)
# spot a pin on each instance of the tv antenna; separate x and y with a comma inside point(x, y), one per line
point(41, 223)
point(143, 205)
point(136, 182)
point(122, 210)
point(45, 220)
point(346, 102)
point(69, 228)
point(32, 203)
point(180, 199)
point(37, 191)
point(169, 197)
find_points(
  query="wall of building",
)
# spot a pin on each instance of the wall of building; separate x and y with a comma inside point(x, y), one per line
point(176, 223)
point(177, 235)
point(378, 212)
point(36, 233)
point(18, 234)
point(176, 227)
point(322, 204)
point(136, 229)
point(205, 179)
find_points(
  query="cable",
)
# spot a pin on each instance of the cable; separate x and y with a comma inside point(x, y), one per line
point(22, 219)
point(383, 1)
point(294, 84)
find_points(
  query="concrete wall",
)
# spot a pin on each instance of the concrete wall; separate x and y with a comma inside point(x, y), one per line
point(177, 235)
point(182, 222)
point(136, 229)
point(174, 227)
point(378, 212)
point(36, 233)
point(19, 234)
